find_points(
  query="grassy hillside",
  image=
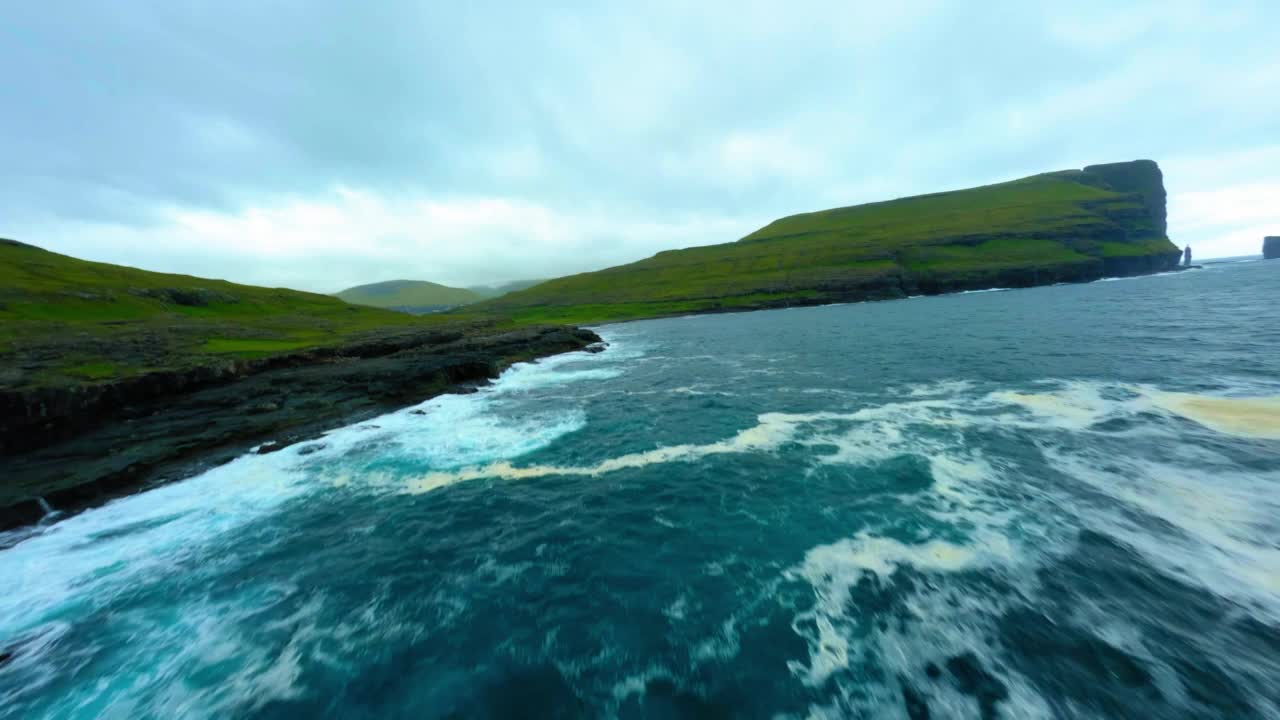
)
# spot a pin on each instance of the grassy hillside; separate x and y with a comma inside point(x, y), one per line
point(409, 294)
point(1068, 225)
point(64, 320)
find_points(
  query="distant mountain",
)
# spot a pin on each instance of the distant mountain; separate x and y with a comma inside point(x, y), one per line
point(493, 291)
point(409, 295)
point(1067, 226)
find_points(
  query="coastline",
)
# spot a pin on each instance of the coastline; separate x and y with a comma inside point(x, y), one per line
point(135, 436)
point(126, 437)
point(1017, 278)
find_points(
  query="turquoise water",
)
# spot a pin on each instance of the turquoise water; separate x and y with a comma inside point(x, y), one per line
point(1054, 502)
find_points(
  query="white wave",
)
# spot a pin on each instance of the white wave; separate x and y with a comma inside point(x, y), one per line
point(638, 683)
point(842, 564)
point(678, 609)
point(1224, 517)
point(770, 433)
point(135, 537)
point(944, 623)
point(462, 430)
point(1219, 514)
point(142, 535)
point(1076, 406)
point(258, 663)
point(1224, 521)
point(984, 290)
point(1168, 273)
point(944, 388)
point(1257, 417)
point(556, 370)
point(693, 390)
point(1081, 405)
point(834, 569)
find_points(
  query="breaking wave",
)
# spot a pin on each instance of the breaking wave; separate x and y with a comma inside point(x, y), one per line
point(894, 510)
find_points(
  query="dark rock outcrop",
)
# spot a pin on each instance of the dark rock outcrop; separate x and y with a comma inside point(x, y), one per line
point(79, 446)
point(188, 297)
point(1138, 176)
point(1271, 247)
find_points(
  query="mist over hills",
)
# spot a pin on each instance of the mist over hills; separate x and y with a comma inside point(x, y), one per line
point(422, 296)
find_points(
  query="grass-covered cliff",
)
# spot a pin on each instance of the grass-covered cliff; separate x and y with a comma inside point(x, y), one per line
point(1063, 226)
point(111, 377)
point(66, 320)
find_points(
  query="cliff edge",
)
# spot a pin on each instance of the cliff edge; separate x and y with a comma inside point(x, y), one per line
point(1064, 226)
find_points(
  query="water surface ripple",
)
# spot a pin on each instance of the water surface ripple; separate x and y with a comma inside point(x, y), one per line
point(1055, 502)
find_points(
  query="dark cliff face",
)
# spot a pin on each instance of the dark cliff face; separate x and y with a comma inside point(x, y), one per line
point(1139, 176)
point(1271, 247)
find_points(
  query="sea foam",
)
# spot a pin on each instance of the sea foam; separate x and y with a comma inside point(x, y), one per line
point(1218, 538)
point(1257, 417)
point(142, 534)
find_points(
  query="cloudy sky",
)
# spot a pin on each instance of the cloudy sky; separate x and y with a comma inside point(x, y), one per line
point(323, 144)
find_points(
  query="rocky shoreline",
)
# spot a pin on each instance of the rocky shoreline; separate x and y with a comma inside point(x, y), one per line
point(909, 285)
point(67, 449)
point(900, 286)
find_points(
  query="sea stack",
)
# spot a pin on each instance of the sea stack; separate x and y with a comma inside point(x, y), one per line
point(1271, 247)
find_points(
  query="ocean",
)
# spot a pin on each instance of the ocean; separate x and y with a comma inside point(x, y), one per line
point(1058, 502)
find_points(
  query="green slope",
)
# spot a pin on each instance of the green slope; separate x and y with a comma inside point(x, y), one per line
point(65, 320)
point(1062, 226)
point(409, 294)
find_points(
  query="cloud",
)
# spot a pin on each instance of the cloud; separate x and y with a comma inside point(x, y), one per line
point(320, 145)
point(1244, 203)
point(1223, 204)
point(352, 236)
point(1231, 220)
point(743, 159)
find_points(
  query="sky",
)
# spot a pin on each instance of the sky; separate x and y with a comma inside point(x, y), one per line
point(319, 145)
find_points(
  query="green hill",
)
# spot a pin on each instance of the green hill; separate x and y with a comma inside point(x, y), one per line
point(65, 320)
point(410, 295)
point(1071, 225)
